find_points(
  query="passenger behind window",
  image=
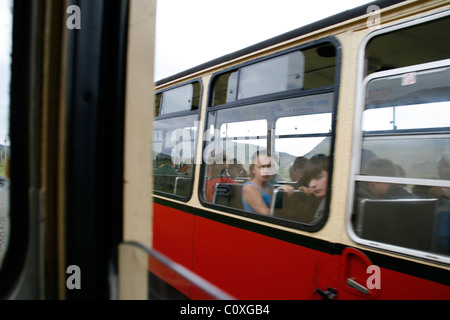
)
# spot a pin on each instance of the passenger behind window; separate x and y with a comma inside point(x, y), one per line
point(442, 224)
point(443, 168)
point(383, 190)
point(436, 192)
point(217, 173)
point(363, 191)
point(296, 172)
point(164, 172)
point(163, 164)
point(236, 170)
point(316, 176)
point(257, 193)
point(185, 169)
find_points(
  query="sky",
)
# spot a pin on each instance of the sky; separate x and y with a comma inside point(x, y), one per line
point(192, 32)
point(189, 33)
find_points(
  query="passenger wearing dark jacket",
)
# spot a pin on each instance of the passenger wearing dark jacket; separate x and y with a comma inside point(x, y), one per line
point(385, 190)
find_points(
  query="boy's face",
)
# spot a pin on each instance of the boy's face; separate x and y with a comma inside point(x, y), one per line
point(319, 184)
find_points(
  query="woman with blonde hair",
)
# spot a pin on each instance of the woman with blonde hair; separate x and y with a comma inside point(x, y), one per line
point(257, 193)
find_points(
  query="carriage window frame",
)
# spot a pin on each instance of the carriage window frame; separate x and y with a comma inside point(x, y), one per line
point(357, 176)
point(313, 91)
point(299, 81)
point(194, 112)
point(161, 107)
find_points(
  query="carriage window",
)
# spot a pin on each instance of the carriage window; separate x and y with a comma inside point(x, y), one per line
point(409, 46)
point(225, 88)
point(300, 70)
point(402, 187)
point(174, 142)
point(271, 158)
point(275, 75)
point(183, 98)
point(280, 147)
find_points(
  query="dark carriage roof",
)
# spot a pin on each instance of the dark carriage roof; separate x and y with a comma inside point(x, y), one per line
point(334, 19)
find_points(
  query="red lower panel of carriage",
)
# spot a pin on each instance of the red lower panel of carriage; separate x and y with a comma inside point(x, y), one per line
point(250, 265)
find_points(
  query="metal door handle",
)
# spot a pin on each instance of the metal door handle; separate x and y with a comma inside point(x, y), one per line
point(352, 283)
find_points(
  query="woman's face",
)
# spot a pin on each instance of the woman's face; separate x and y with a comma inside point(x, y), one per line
point(264, 168)
point(319, 184)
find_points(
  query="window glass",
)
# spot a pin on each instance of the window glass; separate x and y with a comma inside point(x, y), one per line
point(416, 157)
point(274, 75)
point(403, 186)
point(306, 124)
point(157, 103)
point(225, 88)
point(418, 44)
point(185, 98)
point(271, 143)
point(415, 100)
point(320, 66)
point(179, 99)
point(421, 116)
point(196, 96)
point(174, 142)
point(304, 69)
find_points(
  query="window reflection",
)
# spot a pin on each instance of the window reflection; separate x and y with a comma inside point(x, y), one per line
point(300, 70)
point(184, 98)
point(417, 156)
point(179, 99)
point(174, 142)
point(423, 116)
point(274, 146)
point(415, 100)
point(275, 75)
point(305, 124)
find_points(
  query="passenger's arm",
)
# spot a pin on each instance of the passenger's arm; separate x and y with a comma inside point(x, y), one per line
point(253, 197)
point(288, 189)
